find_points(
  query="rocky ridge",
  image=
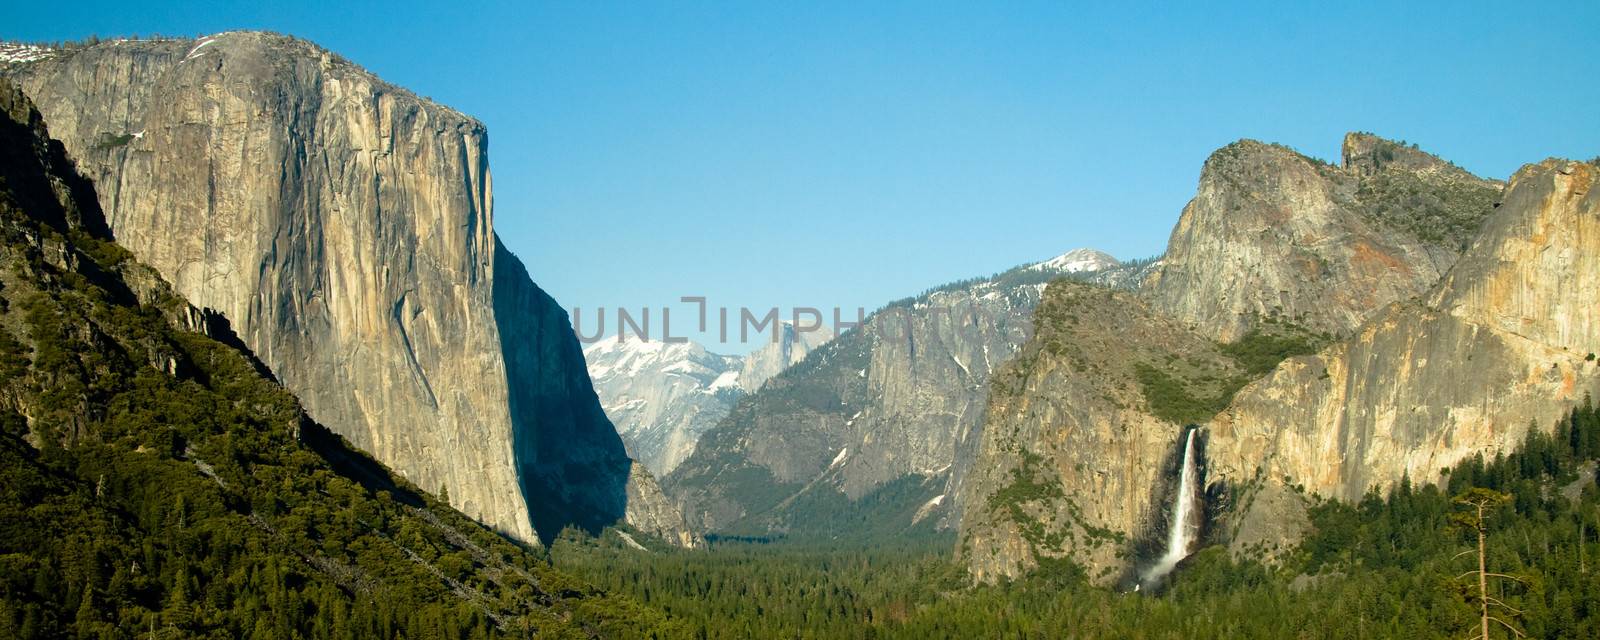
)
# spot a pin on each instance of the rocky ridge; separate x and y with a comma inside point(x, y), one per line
point(1277, 255)
point(886, 415)
point(1274, 234)
point(1502, 344)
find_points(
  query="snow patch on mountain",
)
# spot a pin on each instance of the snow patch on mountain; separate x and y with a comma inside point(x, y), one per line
point(1078, 261)
point(662, 395)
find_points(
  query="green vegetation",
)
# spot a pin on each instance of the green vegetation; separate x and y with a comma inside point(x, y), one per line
point(1436, 210)
point(112, 141)
point(154, 483)
point(822, 513)
point(1259, 351)
point(1386, 151)
point(1381, 568)
point(1175, 400)
point(1186, 395)
point(742, 590)
point(1026, 489)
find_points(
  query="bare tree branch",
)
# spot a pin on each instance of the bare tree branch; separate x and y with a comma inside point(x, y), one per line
point(1507, 625)
point(1496, 602)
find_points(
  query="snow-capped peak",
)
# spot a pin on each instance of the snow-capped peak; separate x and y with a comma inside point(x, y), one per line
point(1078, 261)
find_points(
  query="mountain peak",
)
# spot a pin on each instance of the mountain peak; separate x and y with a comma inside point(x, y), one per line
point(1367, 154)
point(1078, 261)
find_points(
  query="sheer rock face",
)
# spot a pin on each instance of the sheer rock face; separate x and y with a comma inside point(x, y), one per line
point(1425, 372)
point(1073, 464)
point(650, 510)
point(345, 227)
point(1500, 344)
point(789, 349)
point(900, 397)
point(1273, 234)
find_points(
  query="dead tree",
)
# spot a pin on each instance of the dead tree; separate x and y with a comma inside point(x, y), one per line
point(1477, 503)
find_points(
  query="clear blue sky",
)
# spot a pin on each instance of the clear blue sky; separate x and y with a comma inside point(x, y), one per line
point(847, 154)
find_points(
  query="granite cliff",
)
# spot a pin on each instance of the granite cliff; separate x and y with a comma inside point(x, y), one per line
point(873, 432)
point(1078, 434)
point(345, 227)
point(1502, 344)
point(139, 439)
point(1277, 256)
point(1274, 234)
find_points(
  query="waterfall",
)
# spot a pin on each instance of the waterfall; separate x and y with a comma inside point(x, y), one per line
point(1185, 518)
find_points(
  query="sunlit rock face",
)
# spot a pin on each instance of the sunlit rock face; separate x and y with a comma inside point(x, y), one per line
point(1501, 345)
point(345, 227)
point(1418, 373)
point(894, 405)
point(1273, 234)
point(1074, 463)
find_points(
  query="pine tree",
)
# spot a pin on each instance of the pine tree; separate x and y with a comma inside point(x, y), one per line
point(87, 616)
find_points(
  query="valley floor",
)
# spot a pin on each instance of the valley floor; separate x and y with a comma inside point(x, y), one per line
point(1388, 567)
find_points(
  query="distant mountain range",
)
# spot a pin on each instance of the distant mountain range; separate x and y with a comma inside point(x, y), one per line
point(871, 433)
point(662, 396)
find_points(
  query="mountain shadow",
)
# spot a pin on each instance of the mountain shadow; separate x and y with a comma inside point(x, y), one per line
point(570, 461)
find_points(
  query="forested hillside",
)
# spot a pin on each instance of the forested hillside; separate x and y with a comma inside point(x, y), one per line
point(155, 482)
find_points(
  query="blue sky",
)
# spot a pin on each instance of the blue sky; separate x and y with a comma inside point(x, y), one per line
point(846, 154)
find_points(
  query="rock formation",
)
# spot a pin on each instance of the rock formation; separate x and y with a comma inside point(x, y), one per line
point(662, 396)
point(1276, 253)
point(1072, 457)
point(1272, 234)
point(894, 406)
point(137, 433)
point(345, 227)
point(772, 357)
point(1501, 345)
